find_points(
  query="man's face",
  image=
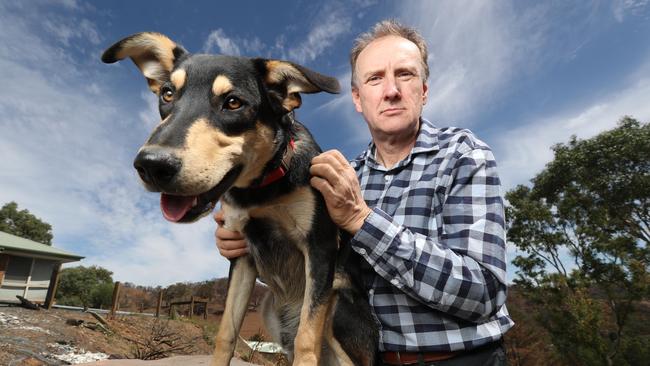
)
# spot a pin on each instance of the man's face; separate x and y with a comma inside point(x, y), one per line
point(390, 88)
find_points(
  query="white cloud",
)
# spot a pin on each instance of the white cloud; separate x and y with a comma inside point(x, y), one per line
point(334, 22)
point(621, 8)
point(524, 152)
point(351, 123)
point(476, 49)
point(150, 116)
point(67, 31)
point(220, 43)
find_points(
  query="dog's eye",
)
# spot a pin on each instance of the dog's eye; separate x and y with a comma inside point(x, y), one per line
point(232, 103)
point(167, 94)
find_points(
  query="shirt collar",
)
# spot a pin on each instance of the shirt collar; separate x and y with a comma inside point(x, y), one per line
point(426, 141)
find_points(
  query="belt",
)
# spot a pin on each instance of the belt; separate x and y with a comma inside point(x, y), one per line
point(410, 358)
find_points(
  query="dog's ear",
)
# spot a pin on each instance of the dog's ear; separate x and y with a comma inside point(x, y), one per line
point(153, 53)
point(286, 80)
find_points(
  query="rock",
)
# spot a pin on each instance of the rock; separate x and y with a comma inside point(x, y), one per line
point(75, 322)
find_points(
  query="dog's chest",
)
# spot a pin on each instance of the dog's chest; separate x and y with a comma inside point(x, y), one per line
point(277, 234)
point(290, 215)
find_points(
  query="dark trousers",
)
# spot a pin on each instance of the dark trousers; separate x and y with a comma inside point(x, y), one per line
point(489, 355)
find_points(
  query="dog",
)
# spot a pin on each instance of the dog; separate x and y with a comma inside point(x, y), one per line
point(229, 133)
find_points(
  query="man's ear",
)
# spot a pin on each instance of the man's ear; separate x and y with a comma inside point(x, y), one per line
point(425, 93)
point(153, 53)
point(356, 99)
point(286, 80)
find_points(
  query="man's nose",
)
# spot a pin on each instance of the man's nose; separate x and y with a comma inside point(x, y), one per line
point(391, 89)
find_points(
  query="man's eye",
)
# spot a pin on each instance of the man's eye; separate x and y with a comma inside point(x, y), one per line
point(167, 94)
point(405, 75)
point(232, 103)
point(374, 79)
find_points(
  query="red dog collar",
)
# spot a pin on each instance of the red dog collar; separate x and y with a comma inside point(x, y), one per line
point(282, 170)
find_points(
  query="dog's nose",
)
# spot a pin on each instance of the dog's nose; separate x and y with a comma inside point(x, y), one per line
point(156, 167)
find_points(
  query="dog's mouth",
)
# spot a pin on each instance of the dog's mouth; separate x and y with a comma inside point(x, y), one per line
point(176, 208)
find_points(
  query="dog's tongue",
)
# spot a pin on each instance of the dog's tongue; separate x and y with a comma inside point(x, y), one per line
point(175, 207)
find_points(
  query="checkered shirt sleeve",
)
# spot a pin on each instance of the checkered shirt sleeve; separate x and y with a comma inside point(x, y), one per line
point(436, 241)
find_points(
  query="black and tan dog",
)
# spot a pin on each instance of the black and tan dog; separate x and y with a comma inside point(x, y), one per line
point(228, 132)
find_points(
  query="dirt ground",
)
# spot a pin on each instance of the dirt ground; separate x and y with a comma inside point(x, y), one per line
point(63, 337)
point(172, 361)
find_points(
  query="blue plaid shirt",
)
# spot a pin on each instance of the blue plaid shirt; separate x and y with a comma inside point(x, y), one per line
point(435, 244)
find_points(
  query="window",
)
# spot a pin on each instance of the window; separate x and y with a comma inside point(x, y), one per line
point(18, 269)
point(43, 269)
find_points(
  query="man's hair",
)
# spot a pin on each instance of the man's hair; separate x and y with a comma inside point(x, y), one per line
point(388, 27)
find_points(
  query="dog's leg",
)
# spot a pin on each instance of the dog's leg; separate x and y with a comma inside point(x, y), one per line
point(240, 287)
point(316, 305)
point(342, 358)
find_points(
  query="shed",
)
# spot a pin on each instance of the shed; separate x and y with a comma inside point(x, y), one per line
point(30, 269)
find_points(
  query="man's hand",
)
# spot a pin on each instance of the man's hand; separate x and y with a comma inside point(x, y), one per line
point(231, 244)
point(337, 181)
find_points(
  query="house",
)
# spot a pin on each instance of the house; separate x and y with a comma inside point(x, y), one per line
point(30, 269)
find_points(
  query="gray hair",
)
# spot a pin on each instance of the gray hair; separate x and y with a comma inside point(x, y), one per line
point(388, 27)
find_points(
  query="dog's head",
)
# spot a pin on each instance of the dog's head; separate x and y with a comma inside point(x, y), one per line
point(223, 119)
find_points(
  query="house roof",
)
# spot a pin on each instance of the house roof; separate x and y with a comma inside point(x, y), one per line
point(12, 244)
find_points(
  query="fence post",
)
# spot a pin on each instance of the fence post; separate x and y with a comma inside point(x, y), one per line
point(116, 299)
point(191, 306)
point(160, 297)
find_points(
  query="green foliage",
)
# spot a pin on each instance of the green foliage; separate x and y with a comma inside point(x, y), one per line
point(583, 230)
point(101, 295)
point(177, 291)
point(24, 224)
point(209, 289)
point(85, 286)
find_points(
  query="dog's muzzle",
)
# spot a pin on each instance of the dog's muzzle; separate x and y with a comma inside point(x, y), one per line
point(158, 169)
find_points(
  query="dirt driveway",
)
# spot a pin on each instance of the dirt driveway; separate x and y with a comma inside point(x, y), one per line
point(60, 337)
point(172, 361)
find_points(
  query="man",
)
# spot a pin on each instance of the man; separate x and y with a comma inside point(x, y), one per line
point(424, 210)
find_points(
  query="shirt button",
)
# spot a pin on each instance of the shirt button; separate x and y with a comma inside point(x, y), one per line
point(394, 281)
point(387, 178)
point(371, 292)
point(362, 251)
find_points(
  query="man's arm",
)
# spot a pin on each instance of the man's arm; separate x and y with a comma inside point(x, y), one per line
point(461, 272)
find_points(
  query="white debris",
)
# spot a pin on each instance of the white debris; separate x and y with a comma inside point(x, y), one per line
point(72, 355)
point(36, 329)
point(14, 322)
point(8, 320)
point(265, 347)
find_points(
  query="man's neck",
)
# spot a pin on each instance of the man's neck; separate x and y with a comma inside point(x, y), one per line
point(392, 149)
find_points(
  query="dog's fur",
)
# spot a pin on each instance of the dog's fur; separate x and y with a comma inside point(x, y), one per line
point(227, 125)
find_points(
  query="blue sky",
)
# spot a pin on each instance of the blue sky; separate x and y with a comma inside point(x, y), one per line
point(523, 75)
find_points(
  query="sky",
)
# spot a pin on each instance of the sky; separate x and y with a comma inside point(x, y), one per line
point(522, 75)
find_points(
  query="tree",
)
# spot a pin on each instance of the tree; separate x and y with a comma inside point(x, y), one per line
point(205, 289)
point(24, 224)
point(178, 291)
point(584, 231)
point(85, 286)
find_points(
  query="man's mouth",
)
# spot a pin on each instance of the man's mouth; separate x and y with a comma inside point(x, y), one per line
point(392, 110)
point(176, 208)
